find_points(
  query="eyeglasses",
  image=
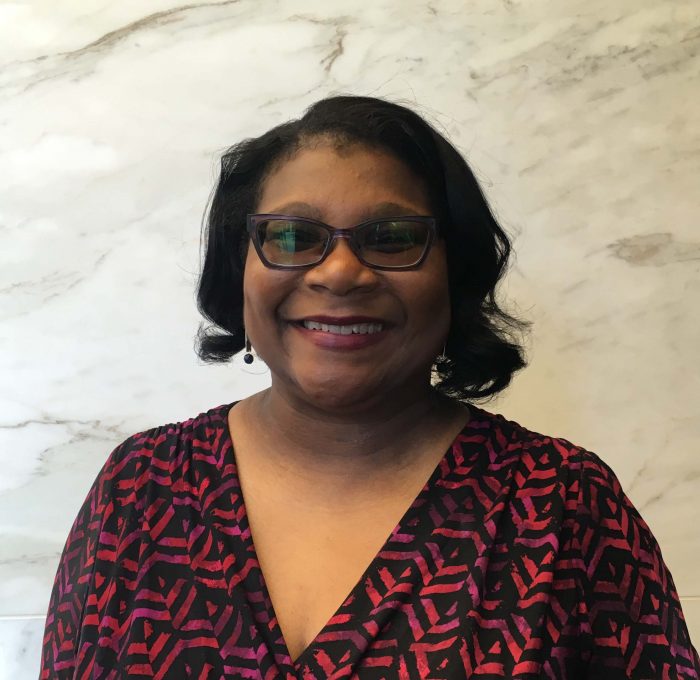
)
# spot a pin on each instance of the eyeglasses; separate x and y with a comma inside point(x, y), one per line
point(286, 242)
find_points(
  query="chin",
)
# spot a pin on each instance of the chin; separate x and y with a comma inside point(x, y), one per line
point(338, 393)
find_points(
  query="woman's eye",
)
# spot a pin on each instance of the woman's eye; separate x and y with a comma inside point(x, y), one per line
point(292, 239)
point(391, 238)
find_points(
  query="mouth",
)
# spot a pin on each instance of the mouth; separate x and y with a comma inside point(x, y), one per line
point(349, 332)
point(343, 329)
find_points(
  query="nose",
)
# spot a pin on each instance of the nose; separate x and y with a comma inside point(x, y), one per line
point(342, 272)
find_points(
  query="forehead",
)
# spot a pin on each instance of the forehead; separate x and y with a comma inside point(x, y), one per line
point(340, 181)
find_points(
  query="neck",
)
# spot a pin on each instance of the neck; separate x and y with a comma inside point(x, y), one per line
point(385, 437)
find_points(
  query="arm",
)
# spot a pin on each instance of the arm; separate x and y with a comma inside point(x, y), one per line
point(632, 621)
point(75, 575)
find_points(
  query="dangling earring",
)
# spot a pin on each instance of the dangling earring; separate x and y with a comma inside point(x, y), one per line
point(249, 361)
point(443, 356)
point(248, 357)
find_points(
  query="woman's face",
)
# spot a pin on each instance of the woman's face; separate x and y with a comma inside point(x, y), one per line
point(333, 371)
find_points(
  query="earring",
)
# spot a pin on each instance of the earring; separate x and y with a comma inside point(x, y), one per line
point(249, 361)
point(443, 356)
point(248, 357)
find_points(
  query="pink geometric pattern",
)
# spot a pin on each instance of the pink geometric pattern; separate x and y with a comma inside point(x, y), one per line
point(520, 558)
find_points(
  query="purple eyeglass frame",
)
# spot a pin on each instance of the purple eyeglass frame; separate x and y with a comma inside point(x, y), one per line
point(253, 221)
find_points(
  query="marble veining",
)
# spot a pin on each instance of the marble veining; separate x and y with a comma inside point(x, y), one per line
point(654, 250)
point(579, 119)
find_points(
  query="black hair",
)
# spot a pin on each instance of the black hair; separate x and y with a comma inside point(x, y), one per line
point(482, 352)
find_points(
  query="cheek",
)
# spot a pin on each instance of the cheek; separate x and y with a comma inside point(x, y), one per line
point(264, 290)
point(427, 304)
point(258, 280)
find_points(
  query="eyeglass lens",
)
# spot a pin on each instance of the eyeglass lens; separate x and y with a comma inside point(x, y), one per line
point(385, 243)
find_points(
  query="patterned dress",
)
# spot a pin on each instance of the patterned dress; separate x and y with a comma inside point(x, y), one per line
point(520, 558)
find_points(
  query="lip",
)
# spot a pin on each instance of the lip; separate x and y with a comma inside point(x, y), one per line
point(340, 342)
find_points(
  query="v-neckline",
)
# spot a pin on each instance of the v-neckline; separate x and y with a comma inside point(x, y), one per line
point(442, 469)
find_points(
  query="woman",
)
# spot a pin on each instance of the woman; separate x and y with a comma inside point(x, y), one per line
point(355, 521)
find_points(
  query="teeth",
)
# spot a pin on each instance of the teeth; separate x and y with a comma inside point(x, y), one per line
point(356, 328)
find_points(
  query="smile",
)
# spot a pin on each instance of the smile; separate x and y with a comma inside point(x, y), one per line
point(350, 329)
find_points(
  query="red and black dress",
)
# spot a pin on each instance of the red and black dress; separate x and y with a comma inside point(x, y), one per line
point(520, 558)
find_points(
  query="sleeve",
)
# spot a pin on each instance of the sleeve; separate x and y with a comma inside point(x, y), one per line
point(632, 624)
point(85, 547)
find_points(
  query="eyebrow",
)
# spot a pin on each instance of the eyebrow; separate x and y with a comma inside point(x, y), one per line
point(298, 209)
point(386, 209)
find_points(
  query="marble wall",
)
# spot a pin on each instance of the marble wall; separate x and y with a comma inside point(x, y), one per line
point(579, 117)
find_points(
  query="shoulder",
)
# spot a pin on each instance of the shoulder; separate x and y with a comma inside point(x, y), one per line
point(595, 501)
point(125, 520)
point(594, 491)
point(535, 455)
point(162, 459)
point(589, 496)
point(609, 567)
point(165, 444)
point(165, 466)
